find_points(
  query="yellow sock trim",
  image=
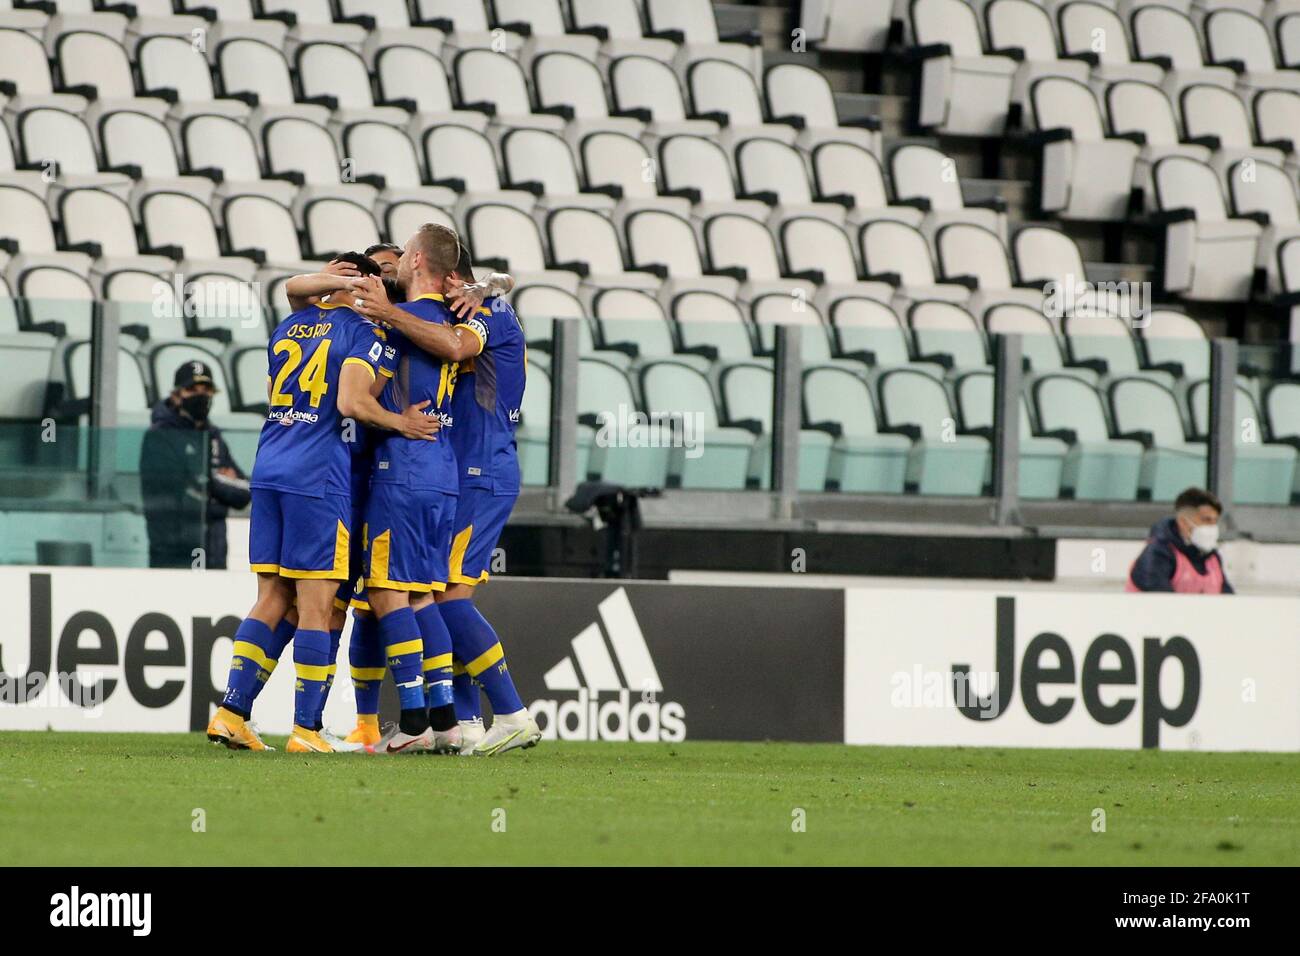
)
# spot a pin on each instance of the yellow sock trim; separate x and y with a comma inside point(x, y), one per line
point(485, 660)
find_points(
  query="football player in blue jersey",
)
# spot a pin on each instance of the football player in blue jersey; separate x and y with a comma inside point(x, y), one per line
point(322, 380)
point(488, 343)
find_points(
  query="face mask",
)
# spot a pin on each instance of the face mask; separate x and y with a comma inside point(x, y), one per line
point(197, 406)
point(1206, 537)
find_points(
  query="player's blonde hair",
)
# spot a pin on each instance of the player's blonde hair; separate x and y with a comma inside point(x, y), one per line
point(440, 247)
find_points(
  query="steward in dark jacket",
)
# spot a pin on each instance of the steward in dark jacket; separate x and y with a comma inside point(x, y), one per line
point(1182, 551)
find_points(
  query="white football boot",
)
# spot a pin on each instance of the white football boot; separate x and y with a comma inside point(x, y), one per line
point(471, 732)
point(509, 732)
point(395, 741)
point(446, 741)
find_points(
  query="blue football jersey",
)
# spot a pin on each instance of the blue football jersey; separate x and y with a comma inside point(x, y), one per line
point(420, 377)
point(489, 392)
point(305, 447)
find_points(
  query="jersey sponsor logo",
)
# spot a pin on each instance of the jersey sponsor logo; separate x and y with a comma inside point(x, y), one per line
point(514, 416)
point(479, 327)
point(591, 670)
point(287, 416)
point(474, 471)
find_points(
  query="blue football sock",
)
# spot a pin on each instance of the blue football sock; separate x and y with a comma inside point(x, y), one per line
point(366, 657)
point(249, 660)
point(279, 641)
point(335, 638)
point(469, 704)
point(475, 643)
point(311, 664)
point(400, 635)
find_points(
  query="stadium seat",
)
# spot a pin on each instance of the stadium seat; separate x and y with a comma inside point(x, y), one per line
point(1083, 173)
point(1277, 117)
point(776, 309)
point(337, 225)
point(508, 239)
point(1177, 343)
point(58, 301)
point(296, 145)
point(962, 90)
point(896, 253)
point(184, 224)
point(1265, 471)
point(1084, 26)
point(1216, 115)
point(402, 219)
point(585, 241)
point(633, 321)
point(1027, 27)
point(711, 324)
point(1167, 37)
point(606, 399)
point(778, 173)
point(694, 22)
point(168, 63)
point(946, 334)
point(1282, 403)
point(1239, 38)
point(257, 72)
point(1042, 459)
point(535, 157)
point(392, 27)
point(61, 144)
point(821, 251)
point(544, 30)
point(851, 176)
point(24, 64)
point(727, 93)
point(1266, 189)
point(971, 254)
point(1208, 255)
point(620, 30)
point(1104, 343)
point(927, 178)
point(1050, 259)
point(1141, 108)
point(257, 222)
point(418, 76)
point(868, 331)
point(940, 461)
point(699, 171)
point(710, 453)
point(93, 60)
point(740, 243)
point(25, 367)
point(852, 25)
point(862, 459)
point(533, 434)
point(650, 85)
point(662, 242)
point(747, 397)
point(463, 160)
point(465, 26)
point(1148, 412)
point(222, 145)
point(795, 90)
point(1039, 344)
point(572, 87)
point(1287, 30)
point(486, 77)
point(1097, 467)
point(623, 167)
point(101, 218)
point(130, 139)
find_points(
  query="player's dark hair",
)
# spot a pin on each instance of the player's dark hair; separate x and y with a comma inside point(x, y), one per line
point(395, 291)
point(1196, 497)
point(365, 265)
point(464, 265)
point(383, 247)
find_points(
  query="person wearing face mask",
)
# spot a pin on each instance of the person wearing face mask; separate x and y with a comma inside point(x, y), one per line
point(188, 477)
point(1182, 554)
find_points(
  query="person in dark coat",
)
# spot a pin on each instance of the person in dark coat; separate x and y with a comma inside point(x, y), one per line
point(1182, 553)
point(188, 477)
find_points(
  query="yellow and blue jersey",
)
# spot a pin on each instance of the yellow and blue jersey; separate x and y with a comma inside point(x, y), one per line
point(419, 377)
point(486, 403)
point(305, 447)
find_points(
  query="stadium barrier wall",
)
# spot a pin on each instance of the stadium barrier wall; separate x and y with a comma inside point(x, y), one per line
point(636, 660)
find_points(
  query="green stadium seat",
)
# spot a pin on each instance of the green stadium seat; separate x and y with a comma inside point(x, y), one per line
point(606, 399)
point(1265, 473)
point(747, 394)
point(941, 461)
point(1107, 340)
point(724, 456)
point(1042, 459)
point(533, 436)
point(945, 329)
point(862, 459)
point(711, 321)
point(1170, 462)
point(1172, 337)
point(1097, 467)
point(1038, 341)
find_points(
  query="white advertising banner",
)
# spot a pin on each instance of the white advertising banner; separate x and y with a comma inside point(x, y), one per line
point(1019, 668)
point(130, 650)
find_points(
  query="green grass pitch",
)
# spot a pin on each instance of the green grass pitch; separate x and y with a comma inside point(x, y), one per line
point(89, 798)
